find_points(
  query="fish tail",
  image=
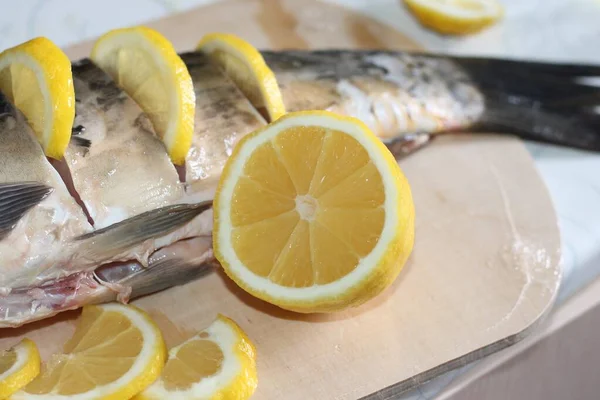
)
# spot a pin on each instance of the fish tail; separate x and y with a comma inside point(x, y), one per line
point(552, 103)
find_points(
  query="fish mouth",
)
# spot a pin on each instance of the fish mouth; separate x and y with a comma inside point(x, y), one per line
point(176, 264)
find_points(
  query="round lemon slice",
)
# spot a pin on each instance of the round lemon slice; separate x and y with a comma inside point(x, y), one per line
point(247, 69)
point(18, 366)
point(218, 363)
point(115, 353)
point(36, 77)
point(148, 68)
point(456, 17)
point(313, 214)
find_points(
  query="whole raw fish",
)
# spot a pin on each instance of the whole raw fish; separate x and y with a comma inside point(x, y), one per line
point(115, 219)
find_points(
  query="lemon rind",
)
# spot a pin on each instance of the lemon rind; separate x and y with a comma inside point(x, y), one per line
point(23, 371)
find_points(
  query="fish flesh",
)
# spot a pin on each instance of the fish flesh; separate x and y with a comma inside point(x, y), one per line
point(115, 219)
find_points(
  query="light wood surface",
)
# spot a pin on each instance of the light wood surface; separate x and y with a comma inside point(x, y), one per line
point(485, 266)
point(558, 361)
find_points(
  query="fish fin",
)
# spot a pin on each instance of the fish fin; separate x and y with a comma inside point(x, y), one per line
point(77, 130)
point(16, 199)
point(165, 269)
point(6, 107)
point(166, 274)
point(123, 235)
point(81, 142)
point(407, 144)
point(158, 276)
point(552, 103)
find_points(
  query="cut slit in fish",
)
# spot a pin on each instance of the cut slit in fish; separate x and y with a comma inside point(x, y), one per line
point(223, 116)
point(125, 170)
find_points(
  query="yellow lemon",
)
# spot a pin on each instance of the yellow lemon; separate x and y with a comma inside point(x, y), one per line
point(115, 353)
point(18, 366)
point(313, 214)
point(218, 363)
point(456, 17)
point(248, 70)
point(148, 68)
point(36, 77)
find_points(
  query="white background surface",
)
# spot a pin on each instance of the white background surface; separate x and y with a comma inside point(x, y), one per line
point(557, 30)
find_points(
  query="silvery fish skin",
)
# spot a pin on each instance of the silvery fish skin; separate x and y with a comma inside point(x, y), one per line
point(390, 92)
point(401, 95)
point(223, 116)
point(118, 166)
point(123, 221)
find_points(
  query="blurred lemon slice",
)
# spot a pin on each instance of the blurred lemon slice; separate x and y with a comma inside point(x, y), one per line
point(148, 68)
point(456, 17)
point(36, 77)
point(115, 353)
point(18, 366)
point(218, 363)
point(248, 70)
point(312, 213)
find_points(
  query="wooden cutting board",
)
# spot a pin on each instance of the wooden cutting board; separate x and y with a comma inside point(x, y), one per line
point(484, 270)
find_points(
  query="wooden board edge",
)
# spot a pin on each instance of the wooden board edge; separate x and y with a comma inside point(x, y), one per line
point(393, 392)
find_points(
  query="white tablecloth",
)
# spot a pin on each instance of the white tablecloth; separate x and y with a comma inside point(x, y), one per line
point(544, 29)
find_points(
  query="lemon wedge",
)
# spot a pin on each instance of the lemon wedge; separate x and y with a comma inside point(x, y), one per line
point(115, 353)
point(217, 363)
point(36, 77)
point(246, 67)
point(148, 68)
point(18, 366)
point(312, 213)
point(456, 17)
